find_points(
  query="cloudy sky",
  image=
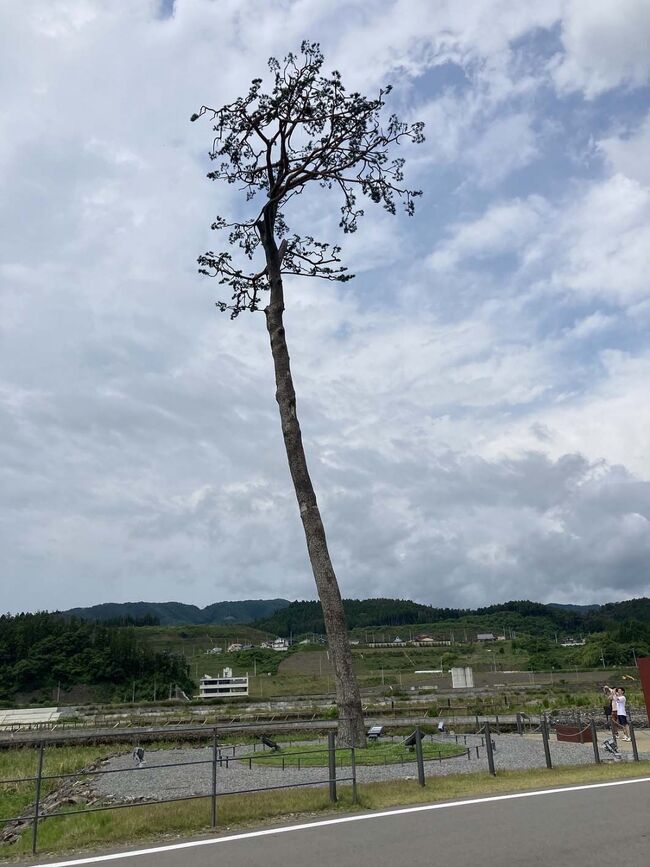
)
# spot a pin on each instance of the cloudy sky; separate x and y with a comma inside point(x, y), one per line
point(474, 404)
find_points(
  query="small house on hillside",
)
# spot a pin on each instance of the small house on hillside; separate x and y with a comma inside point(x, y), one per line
point(485, 636)
point(280, 644)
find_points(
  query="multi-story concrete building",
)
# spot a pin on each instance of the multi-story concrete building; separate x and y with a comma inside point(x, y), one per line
point(225, 686)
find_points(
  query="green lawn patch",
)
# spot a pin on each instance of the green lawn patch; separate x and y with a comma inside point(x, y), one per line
point(381, 753)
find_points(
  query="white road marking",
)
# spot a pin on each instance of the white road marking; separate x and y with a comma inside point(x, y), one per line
point(342, 820)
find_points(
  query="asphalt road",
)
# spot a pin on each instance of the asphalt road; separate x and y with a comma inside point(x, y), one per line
point(599, 826)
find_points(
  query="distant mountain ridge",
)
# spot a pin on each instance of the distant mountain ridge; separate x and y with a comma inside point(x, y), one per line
point(282, 617)
point(568, 606)
point(179, 613)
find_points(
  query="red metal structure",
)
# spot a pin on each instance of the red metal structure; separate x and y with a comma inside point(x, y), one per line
point(643, 665)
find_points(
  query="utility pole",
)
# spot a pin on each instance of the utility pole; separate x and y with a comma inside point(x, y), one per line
point(602, 657)
point(133, 694)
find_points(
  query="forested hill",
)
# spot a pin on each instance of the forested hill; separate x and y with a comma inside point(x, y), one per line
point(178, 613)
point(523, 615)
point(43, 651)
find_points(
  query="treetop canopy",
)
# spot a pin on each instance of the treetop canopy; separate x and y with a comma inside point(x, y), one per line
point(308, 129)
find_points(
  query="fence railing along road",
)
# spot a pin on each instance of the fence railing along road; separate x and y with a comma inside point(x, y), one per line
point(222, 755)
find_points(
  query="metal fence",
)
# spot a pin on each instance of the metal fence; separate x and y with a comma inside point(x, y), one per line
point(219, 758)
point(222, 755)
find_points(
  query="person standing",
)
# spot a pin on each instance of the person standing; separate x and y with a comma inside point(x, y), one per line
point(621, 711)
point(610, 692)
point(607, 707)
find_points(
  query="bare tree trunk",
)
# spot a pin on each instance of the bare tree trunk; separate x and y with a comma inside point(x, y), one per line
point(351, 723)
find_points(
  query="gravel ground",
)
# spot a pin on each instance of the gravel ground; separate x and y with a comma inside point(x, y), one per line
point(512, 752)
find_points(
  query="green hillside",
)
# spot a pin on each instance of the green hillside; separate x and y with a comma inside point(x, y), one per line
point(41, 652)
point(399, 616)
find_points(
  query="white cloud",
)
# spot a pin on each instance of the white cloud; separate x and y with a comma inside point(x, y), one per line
point(629, 155)
point(508, 144)
point(590, 325)
point(593, 244)
point(611, 419)
point(506, 227)
point(600, 244)
point(605, 45)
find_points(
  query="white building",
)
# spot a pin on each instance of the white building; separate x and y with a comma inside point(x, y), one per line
point(280, 644)
point(462, 678)
point(225, 686)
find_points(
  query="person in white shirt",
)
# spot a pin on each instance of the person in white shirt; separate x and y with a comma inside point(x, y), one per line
point(621, 710)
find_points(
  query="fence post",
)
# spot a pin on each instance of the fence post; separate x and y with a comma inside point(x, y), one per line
point(488, 749)
point(520, 726)
point(331, 749)
point(419, 756)
point(635, 752)
point(547, 749)
point(497, 724)
point(215, 749)
point(353, 763)
point(594, 740)
point(39, 777)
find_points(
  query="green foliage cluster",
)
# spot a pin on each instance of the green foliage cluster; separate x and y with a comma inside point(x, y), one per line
point(615, 646)
point(256, 659)
point(532, 618)
point(306, 617)
point(40, 651)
